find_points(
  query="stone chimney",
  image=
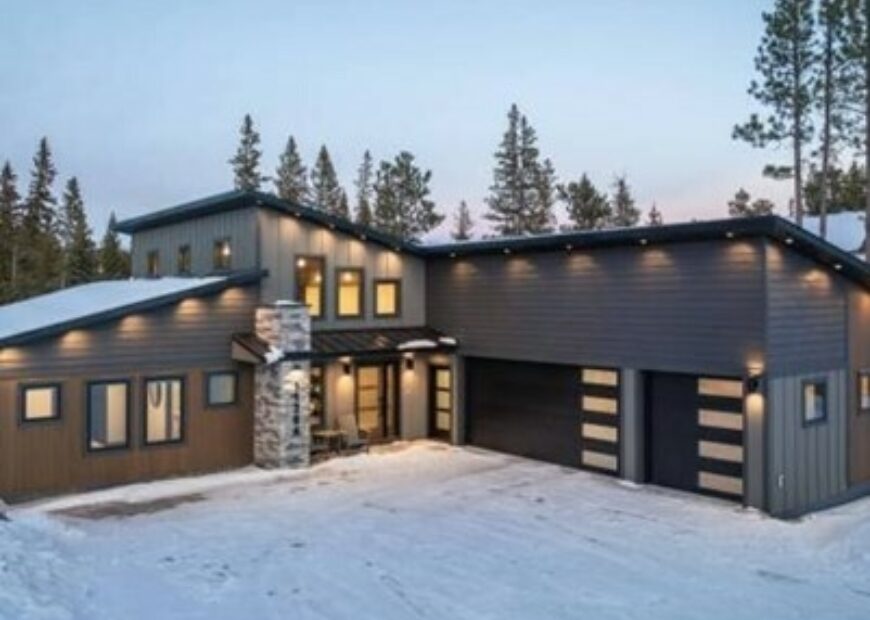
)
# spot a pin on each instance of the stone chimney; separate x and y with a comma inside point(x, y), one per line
point(282, 433)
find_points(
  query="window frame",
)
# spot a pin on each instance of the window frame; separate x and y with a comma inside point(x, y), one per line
point(817, 381)
point(362, 293)
point(218, 255)
point(863, 372)
point(183, 424)
point(152, 257)
point(184, 247)
point(22, 401)
point(398, 284)
point(322, 367)
point(298, 286)
point(89, 415)
point(207, 393)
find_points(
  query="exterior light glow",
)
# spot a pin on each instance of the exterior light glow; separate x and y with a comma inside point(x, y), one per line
point(838, 266)
point(789, 240)
point(643, 241)
point(409, 362)
point(300, 262)
point(507, 251)
point(569, 247)
point(453, 255)
point(729, 234)
point(345, 365)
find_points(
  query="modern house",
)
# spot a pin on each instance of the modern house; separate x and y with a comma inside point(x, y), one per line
point(728, 357)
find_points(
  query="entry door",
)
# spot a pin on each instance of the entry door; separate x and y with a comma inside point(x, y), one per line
point(440, 402)
point(376, 401)
point(672, 431)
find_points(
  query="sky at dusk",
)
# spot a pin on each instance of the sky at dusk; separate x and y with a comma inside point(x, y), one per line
point(142, 100)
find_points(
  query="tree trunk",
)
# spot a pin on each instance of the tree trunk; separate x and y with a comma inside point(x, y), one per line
point(866, 76)
point(797, 126)
point(826, 131)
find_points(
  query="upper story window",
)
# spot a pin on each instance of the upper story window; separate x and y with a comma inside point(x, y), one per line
point(40, 402)
point(223, 254)
point(349, 292)
point(185, 260)
point(152, 264)
point(815, 401)
point(309, 284)
point(388, 298)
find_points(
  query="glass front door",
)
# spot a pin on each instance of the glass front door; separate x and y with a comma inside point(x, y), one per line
point(376, 401)
point(440, 402)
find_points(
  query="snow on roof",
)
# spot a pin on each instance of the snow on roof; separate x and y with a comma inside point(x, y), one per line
point(86, 300)
point(845, 229)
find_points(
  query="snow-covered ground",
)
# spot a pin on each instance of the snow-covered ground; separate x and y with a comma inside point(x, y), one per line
point(425, 531)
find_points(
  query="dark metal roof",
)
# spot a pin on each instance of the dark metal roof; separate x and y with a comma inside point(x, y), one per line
point(772, 227)
point(238, 278)
point(334, 344)
point(238, 199)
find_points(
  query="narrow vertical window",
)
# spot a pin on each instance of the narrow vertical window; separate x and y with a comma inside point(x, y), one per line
point(164, 410)
point(309, 284)
point(152, 264)
point(864, 391)
point(388, 298)
point(185, 261)
point(223, 254)
point(349, 293)
point(317, 398)
point(815, 401)
point(108, 415)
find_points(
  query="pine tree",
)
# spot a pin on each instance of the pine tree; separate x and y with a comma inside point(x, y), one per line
point(858, 68)
point(344, 206)
point(40, 257)
point(114, 260)
point(246, 162)
point(363, 213)
point(832, 90)
point(9, 224)
point(654, 217)
point(588, 209)
point(522, 194)
point(625, 214)
point(462, 222)
point(784, 61)
point(291, 177)
point(324, 185)
point(402, 206)
point(80, 259)
point(743, 206)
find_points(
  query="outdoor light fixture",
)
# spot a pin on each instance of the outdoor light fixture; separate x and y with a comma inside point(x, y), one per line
point(789, 240)
point(569, 247)
point(453, 255)
point(506, 251)
point(345, 365)
point(729, 234)
point(300, 262)
point(753, 382)
point(838, 266)
point(409, 363)
point(643, 241)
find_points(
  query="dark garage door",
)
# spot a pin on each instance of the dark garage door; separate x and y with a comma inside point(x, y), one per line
point(523, 408)
point(694, 431)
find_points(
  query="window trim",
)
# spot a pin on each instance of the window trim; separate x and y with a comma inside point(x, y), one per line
point(156, 254)
point(384, 315)
point(183, 427)
point(322, 259)
point(823, 381)
point(862, 372)
point(89, 415)
point(362, 293)
point(178, 267)
point(322, 367)
point(58, 401)
point(206, 396)
point(216, 254)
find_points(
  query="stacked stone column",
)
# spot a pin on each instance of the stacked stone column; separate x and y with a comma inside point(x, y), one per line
point(282, 432)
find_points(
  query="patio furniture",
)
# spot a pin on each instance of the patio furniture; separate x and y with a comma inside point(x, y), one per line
point(327, 440)
point(354, 438)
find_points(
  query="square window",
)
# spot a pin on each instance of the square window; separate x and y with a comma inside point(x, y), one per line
point(350, 293)
point(40, 402)
point(223, 254)
point(185, 260)
point(387, 298)
point(864, 391)
point(108, 415)
point(164, 410)
point(310, 284)
point(815, 407)
point(152, 264)
point(221, 389)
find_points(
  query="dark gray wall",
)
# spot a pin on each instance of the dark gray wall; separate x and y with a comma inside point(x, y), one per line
point(691, 307)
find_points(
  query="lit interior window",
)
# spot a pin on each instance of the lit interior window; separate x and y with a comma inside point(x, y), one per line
point(309, 284)
point(387, 298)
point(164, 408)
point(223, 254)
point(40, 402)
point(107, 415)
point(350, 292)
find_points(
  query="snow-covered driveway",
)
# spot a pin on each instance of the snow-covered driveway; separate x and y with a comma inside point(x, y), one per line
point(425, 531)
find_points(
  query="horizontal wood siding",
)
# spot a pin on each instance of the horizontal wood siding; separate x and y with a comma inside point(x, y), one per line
point(284, 237)
point(806, 463)
point(806, 314)
point(200, 233)
point(194, 332)
point(693, 307)
point(50, 457)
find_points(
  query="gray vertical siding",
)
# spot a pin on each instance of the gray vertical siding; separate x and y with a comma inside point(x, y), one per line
point(807, 465)
point(632, 425)
point(690, 307)
point(200, 233)
point(283, 237)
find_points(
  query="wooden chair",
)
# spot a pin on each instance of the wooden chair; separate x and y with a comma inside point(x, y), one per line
point(354, 438)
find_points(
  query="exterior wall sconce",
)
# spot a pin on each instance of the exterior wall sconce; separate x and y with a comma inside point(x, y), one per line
point(506, 251)
point(753, 383)
point(345, 366)
point(409, 363)
point(643, 241)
